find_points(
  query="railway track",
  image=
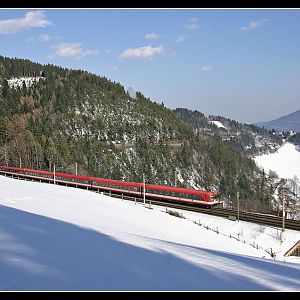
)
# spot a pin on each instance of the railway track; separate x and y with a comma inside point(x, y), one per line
point(227, 213)
point(264, 219)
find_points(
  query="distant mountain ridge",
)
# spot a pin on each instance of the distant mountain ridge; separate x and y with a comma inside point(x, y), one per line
point(248, 138)
point(285, 123)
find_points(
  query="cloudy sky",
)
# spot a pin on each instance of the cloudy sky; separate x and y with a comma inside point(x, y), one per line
point(239, 63)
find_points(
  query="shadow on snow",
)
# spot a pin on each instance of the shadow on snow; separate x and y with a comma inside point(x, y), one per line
point(40, 253)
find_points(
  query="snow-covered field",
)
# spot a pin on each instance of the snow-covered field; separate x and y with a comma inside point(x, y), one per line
point(60, 238)
point(285, 161)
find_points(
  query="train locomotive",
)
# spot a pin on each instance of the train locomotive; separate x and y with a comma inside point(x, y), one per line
point(138, 190)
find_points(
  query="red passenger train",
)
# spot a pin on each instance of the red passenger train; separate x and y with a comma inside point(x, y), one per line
point(154, 192)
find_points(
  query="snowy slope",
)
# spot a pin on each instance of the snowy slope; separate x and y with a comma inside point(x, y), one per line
point(18, 82)
point(60, 238)
point(218, 124)
point(285, 161)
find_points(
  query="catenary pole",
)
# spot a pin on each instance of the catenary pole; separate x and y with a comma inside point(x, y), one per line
point(283, 212)
point(238, 203)
point(144, 187)
point(54, 173)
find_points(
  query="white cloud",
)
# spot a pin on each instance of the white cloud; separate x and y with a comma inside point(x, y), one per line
point(73, 50)
point(255, 24)
point(114, 68)
point(143, 52)
point(31, 19)
point(44, 38)
point(152, 36)
point(48, 38)
point(108, 51)
point(206, 68)
point(180, 39)
point(192, 24)
point(30, 40)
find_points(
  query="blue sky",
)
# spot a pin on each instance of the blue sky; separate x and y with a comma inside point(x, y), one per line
point(239, 63)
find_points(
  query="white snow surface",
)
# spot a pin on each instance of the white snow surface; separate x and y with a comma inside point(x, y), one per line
point(218, 124)
point(18, 82)
point(285, 161)
point(62, 238)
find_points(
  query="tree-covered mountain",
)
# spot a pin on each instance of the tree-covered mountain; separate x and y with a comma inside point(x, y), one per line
point(67, 116)
point(248, 138)
point(284, 123)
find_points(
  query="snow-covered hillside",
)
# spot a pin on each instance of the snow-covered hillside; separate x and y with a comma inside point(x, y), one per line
point(18, 82)
point(218, 124)
point(285, 161)
point(60, 238)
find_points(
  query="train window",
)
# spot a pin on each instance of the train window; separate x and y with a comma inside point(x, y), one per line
point(192, 196)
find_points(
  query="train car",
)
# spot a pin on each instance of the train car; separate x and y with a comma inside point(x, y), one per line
point(182, 195)
point(138, 190)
